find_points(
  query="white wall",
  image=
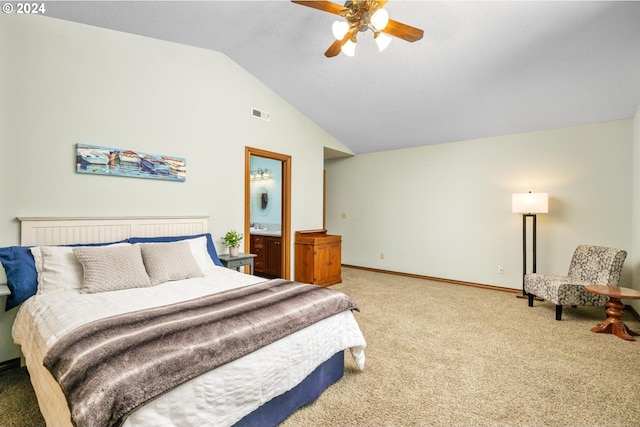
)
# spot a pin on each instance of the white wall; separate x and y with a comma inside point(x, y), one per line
point(445, 210)
point(64, 83)
point(72, 83)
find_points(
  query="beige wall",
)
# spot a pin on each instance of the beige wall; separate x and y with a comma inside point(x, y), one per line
point(65, 83)
point(445, 210)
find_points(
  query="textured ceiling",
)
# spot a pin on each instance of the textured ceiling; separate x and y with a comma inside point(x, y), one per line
point(482, 69)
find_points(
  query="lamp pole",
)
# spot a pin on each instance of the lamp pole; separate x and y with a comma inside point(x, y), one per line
point(529, 204)
point(524, 248)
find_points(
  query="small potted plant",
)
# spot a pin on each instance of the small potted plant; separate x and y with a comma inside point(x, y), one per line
point(232, 240)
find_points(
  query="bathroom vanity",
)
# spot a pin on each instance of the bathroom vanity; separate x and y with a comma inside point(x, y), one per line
point(268, 250)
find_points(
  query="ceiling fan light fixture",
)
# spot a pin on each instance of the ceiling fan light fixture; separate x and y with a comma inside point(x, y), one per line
point(339, 29)
point(361, 16)
point(382, 40)
point(379, 20)
point(349, 48)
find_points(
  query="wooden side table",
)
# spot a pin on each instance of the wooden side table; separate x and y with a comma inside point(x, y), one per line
point(613, 324)
point(4, 292)
point(235, 262)
point(318, 257)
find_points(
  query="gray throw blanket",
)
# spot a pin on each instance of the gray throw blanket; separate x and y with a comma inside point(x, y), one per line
point(109, 367)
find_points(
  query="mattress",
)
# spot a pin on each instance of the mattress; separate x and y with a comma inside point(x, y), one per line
point(219, 397)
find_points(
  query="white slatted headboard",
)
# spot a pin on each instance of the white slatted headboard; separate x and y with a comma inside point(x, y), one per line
point(38, 231)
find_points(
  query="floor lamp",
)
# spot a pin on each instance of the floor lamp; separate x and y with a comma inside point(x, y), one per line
point(529, 204)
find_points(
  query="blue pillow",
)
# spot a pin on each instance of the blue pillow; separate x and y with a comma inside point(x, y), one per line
point(210, 247)
point(22, 277)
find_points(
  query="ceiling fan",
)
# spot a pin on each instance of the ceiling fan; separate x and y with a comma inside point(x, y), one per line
point(360, 16)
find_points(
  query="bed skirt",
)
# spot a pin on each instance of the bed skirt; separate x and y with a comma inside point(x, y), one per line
point(279, 408)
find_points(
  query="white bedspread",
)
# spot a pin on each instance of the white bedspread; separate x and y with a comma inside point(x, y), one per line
point(218, 398)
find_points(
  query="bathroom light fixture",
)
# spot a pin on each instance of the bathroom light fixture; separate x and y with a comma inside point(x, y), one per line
point(260, 174)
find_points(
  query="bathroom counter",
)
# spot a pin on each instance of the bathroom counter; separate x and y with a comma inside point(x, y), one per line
point(258, 232)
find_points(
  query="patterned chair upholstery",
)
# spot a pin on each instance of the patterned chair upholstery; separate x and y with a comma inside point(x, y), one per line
point(590, 265)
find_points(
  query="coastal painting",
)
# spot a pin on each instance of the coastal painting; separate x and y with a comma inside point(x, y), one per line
point(95, 159)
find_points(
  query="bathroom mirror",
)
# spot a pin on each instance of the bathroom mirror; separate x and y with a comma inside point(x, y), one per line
point(265, 186)
point(262, 201)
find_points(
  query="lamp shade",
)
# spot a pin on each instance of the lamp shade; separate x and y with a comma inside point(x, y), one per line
point(530, 203)
point(339, 29)
point(380, 19)
point(349, 48)
point(382, 41)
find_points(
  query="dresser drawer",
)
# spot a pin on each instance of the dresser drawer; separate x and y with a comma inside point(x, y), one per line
point(257, 239)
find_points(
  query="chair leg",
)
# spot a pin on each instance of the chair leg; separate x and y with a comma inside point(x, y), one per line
point(558, 312)
point(530, 296)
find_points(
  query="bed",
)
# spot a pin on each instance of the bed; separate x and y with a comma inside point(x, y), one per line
point(73, 259)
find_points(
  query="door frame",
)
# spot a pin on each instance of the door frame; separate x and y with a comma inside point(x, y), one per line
point(286, 203)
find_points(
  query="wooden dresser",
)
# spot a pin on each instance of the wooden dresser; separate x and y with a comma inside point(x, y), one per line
point(318, 257)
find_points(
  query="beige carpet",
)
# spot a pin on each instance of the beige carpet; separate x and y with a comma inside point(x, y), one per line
point(449, 355)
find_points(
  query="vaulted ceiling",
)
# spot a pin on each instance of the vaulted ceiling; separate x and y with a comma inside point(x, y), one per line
point(482, 69)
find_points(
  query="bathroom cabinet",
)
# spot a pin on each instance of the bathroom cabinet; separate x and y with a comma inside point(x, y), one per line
point(268, 260)
point(318, 257)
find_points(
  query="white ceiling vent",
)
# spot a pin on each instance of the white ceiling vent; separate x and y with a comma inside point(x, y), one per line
point(259, 114)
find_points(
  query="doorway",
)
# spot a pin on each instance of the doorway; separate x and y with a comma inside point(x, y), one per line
point(259, 196)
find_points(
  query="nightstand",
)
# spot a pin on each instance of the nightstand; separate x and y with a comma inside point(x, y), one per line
point(4, 291)
point(235, 262)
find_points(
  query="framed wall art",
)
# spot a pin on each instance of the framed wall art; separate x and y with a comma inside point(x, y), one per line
point(95, 159)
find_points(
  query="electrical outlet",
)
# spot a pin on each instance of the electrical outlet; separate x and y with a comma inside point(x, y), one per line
point(381, 255)
point(500, 269)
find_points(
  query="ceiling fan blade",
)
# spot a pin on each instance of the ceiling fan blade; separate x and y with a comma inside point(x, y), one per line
point(334, 49)
point(403, 31)
point(323, 5)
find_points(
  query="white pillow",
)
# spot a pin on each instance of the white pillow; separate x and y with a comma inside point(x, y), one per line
point(169, 261)
point(201, 254)
point(58, 268)
point(111, 268)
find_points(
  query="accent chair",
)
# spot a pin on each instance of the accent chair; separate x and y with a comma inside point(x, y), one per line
point(590, 265)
